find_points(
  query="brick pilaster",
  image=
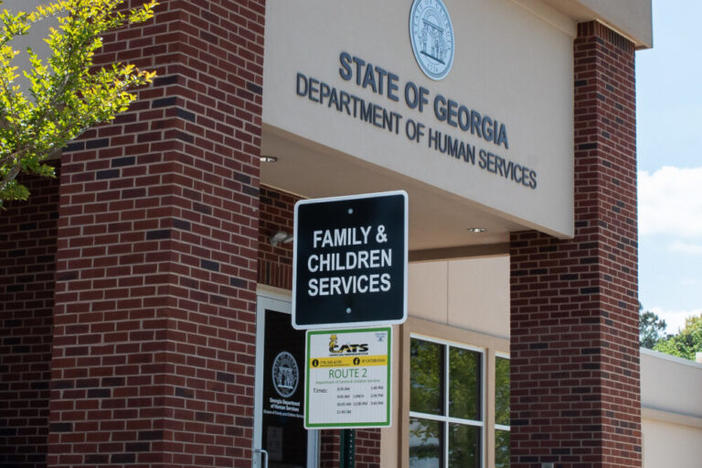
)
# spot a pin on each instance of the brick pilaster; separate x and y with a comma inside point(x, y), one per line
point(574, 308)
point(27, 268)
point(153, 359)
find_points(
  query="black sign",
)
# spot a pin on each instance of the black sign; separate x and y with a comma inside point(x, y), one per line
point(284, 435)
point(350, 261)
point(284, 360)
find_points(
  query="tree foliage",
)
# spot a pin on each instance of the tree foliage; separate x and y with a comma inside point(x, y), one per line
point(651, 328)
point(685, 343)
point(66, 94)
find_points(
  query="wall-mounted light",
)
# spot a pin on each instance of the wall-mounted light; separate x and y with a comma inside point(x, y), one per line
point(281, 237)
point(476, 229)
point(267, 158)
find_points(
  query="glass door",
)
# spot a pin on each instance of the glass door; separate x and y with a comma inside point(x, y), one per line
point(279, 433)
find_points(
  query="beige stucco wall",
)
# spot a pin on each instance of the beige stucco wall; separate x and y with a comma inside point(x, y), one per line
point(470, 293)
point(510, 64)
point(671, 410)
point(671, 445)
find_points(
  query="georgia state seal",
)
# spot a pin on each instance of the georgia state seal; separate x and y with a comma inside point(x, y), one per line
point(431, 34)
point(285, 374)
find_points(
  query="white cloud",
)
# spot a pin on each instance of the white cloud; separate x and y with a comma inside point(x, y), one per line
point(686, 248)
point(674, 319)
point(670, 202)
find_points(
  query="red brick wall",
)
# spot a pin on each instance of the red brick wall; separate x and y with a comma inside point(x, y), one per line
point(153, 359)
point(275, 263)
point(574, 309)
point(367, 448)
point(27, 267)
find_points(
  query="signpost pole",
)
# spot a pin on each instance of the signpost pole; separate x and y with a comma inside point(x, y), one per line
point(347, 448)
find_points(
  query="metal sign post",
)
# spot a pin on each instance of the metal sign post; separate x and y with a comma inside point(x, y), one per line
point(347, 448)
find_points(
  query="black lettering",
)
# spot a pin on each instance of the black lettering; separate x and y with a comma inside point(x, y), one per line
point(381, 77)
point(359, 63)
point(334, 99)
point(487, 128)
point(470, 154)
point(518, 169)
point(366, 111)
point(423, 93)
point(439, 107)
point(301, 91)
point(369, 78)
point(345, 69)
point(475, 123)
point(452, 114)
point(344, 101)
point(434, 138)
point(451, 146)
point(411, 95)
point(313, 89)
point(325, 90)
point(464, 118)
point(482, 162)
point(392, 86)
point(378, 116)
point(502, 136)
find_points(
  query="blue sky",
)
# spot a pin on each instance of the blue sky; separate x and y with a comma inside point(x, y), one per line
point(669, 133)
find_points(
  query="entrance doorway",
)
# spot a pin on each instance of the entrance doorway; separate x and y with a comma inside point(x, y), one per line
point(280, 438)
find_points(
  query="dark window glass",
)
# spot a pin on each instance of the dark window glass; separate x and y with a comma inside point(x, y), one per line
point(464, 446)
point(426, 377)
point(464, 386)
point(501, 449)
point(425, 443)
point(502, 391)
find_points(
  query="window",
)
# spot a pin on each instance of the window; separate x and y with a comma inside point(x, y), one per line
point(501, 411)
point(446, 427)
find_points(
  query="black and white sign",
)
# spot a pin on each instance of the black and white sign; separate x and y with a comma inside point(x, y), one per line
point(350, 261)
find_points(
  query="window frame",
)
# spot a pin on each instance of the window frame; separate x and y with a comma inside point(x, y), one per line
point(489, 345)
point(445, 419)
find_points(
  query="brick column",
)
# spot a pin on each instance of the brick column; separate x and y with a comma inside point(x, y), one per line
point(153, 358)
point(27, 267)
point(574, 308)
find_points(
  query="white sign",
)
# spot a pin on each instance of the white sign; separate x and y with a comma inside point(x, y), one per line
point(348, 377)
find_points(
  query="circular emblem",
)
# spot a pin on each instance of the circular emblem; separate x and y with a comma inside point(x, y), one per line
point(431, 33)
point(285, 374)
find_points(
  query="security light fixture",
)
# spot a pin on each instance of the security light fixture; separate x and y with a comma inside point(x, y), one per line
point(267, 158)
point(281, 237)
point(476, 229)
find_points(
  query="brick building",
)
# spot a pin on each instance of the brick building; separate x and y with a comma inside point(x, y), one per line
point(141, 289)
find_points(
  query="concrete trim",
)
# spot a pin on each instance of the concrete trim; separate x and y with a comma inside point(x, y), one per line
point(671, 417)
point(668, 357)
point(463, 251)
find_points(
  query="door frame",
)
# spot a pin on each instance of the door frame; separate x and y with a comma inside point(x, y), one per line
point(279, 301)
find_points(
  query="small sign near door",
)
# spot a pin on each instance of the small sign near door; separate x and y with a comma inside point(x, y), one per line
point(348, 376)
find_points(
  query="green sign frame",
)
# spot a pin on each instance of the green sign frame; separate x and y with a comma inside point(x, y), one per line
point(352, 387)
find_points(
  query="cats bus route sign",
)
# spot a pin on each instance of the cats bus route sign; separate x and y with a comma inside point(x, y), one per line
point(349, 270)
point(348, 378)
